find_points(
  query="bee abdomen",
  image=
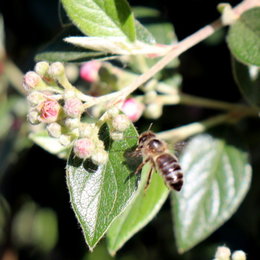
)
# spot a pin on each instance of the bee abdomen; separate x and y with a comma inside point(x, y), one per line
point(171, 171)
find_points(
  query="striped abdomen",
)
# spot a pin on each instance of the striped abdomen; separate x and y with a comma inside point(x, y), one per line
point(171, 171)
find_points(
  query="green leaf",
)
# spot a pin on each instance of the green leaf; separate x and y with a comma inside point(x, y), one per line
point(248, 81)
point(244, 37)
point(100, 193)
point(140, 212)
point(50, 144)
point(59, 50)
point(217, 178)
point(102, 18)
point(143, 35)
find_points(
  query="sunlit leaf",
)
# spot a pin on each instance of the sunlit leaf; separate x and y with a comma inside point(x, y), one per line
point(244, 37)
point(116, 45)
point(100, 193)
point(140, 212)
point(59, 50)
point(50, 144)
point(102, 18)
point(217, 178)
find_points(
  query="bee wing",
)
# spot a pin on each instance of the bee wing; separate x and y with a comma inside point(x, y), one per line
point(179, 146)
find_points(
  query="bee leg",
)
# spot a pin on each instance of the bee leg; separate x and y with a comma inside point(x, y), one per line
point(139, 168)
point(148, 179)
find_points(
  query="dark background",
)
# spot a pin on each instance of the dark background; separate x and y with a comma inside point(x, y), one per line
point(40, 176)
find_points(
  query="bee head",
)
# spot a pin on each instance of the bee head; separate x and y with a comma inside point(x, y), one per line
point(144, 137)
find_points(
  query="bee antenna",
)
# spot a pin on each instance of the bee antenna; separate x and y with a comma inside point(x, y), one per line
point(150, 126)
point(130, 137)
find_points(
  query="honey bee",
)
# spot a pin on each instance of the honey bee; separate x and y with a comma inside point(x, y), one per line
point(156, 152)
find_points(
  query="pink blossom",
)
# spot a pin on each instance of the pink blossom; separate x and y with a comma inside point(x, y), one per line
point(49, 111)
point(31, 80)
point(83, 148)
point(89, 70)
point(73, 107)
point(133, 109)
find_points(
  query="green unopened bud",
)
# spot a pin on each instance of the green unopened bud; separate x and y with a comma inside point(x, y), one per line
point(87, 130)
point(120, 123)
point(72, 72)
point(238, 255)
point(68, 94)
point(228, 15)
point(54, 130)
point(72, 123)
point(33, 117)
point(114, 111)
point(223, 253)
point(153, 111)
point(99, 157)
point(150, 96)
point(41, 68)
point(35, 98)
point(65, 140)
point(56, 69)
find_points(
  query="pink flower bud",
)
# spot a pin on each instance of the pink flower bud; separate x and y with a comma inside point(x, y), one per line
point(133, 109)
point(49, 111)
point(89, 70)
point(83, 148)
point(73, 107)
point(31, 80)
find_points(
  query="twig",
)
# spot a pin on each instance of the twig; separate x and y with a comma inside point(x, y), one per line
point(183, 132)
point(181, 47)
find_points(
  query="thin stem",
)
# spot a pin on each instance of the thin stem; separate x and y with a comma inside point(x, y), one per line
point(202, 102)
point(183, 132)
point(14, 76)
point(181, 47)
point(215, 104)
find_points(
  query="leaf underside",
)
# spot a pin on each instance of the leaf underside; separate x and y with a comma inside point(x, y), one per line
point(217, 178)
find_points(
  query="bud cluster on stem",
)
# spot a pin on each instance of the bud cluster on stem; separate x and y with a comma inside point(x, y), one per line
point(55, 103)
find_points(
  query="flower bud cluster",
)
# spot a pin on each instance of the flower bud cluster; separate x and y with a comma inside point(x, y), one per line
point(57, 106)
point(118, 123)
point(224, 253)
point(89, 145)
